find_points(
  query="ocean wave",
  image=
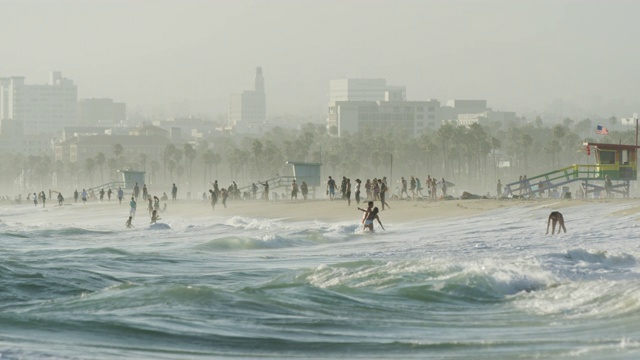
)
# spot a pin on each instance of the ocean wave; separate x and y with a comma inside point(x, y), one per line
point(601, 257)
point(464, 282)
point(63, 233)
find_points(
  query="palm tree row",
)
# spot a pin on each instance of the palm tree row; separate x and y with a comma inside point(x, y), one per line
point(474, 157)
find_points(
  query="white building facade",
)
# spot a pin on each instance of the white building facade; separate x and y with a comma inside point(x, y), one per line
point(39, 109)
point(346, 90)
point(411, 118)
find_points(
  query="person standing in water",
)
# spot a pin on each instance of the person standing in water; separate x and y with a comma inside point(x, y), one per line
point(366, 211)
point(154, 217)
point(132, 205)
point(128, 224)
point(368, 222)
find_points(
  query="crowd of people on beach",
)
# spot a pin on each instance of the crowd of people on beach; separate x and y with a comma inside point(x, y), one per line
point(376, 189)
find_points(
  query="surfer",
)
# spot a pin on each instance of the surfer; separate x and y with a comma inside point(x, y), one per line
point(368, 222)
point(128, 224)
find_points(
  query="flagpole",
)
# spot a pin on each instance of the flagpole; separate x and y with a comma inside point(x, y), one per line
point(636, 131)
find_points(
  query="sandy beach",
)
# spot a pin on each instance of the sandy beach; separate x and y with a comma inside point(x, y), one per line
point(401, 211)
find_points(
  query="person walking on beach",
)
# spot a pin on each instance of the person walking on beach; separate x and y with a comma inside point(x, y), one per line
point(43, 197)
point(214, 199)
point(304, 189)
point(60, 199)
point(120, 195)
point(444, 188)
point(174, 192)
point(35, 199)
point(498, 189)
point(136, 191)
point(254, 190)
point(265, 193)
point(383, 190)
point(419, 188)
point(145, 192)
point(75, 196)
point(376, 189)
point(331, 188)
point(84, 196)
point(128, 224)
point(357, 193)
point(132, 205)
point(403, 183)
point(294, 190)
point(412, 187)
point(224, 193)
point(347, 192)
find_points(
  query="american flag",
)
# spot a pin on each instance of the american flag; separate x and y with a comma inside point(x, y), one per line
point(601, 130)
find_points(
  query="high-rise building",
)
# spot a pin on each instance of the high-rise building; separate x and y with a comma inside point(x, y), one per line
point(248, 110)
point(40, 109)
point(360, 90)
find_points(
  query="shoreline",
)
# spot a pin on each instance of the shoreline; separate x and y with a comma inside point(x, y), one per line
point(401, 211)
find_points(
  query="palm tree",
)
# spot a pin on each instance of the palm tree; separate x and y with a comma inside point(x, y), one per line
point(166, 157)
point(190, 154)
point(154, 169)
point(207, 160)
point(118, 150)
point(257, 149)
point(89, 166)
point(112, 164)
point(100, 160)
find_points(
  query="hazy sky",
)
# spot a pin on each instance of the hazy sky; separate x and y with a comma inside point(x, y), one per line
point(519, 55)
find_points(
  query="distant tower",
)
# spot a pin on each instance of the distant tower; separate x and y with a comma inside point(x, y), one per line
point(259, 86)
point(248, 110)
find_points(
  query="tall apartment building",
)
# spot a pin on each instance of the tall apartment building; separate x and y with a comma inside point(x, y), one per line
point(100, 111)
point(248, 110)
point(343, 90)
point(38, 109)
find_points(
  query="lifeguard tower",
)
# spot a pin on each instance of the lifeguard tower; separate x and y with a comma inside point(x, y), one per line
point(616, 162)
point(131, 177)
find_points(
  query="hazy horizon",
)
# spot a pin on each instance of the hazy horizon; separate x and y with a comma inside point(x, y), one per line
point(571, 57)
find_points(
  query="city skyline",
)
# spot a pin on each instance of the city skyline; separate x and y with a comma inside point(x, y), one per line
point(566, 56)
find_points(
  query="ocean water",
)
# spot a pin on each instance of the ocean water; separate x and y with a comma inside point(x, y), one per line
point(490, 286)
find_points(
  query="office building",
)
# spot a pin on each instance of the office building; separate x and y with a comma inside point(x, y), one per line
point(41, 109)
